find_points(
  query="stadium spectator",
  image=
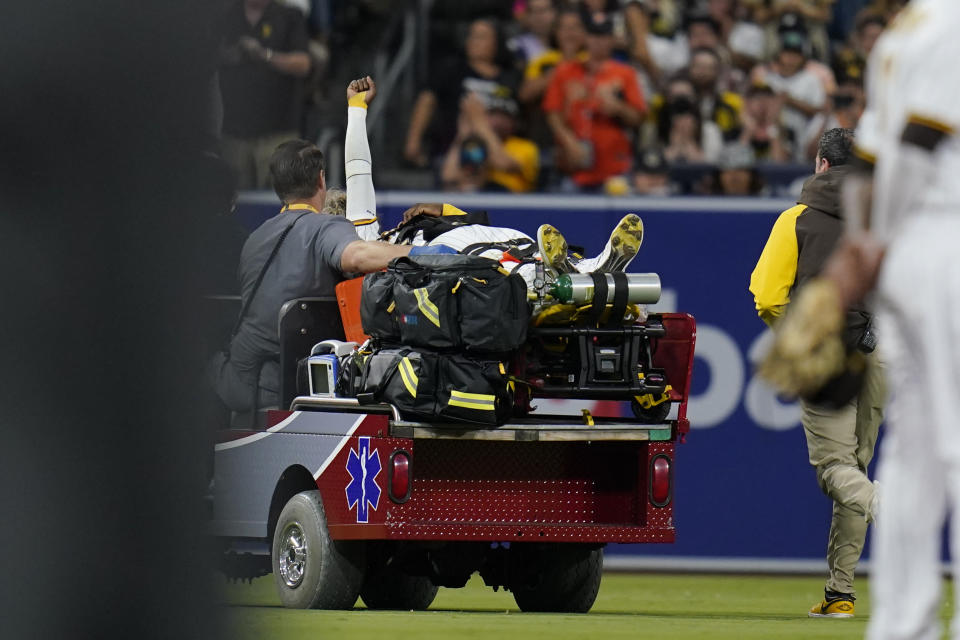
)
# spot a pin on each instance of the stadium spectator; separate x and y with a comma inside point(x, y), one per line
point(747, 44)
point(608, 10)
point(685, 136)
point(667, 56)
point(850, 62)
point(736, 173)
point(665, 16)
point(485, 71)
point(638, 23)
point(538, 18)
point(802, 92)
point(681, 132)
point(823, 73)
point(570, 38)
point(792, 26)
point(724, 15)
point(263, 63)
point(486, 155)
point(666, 42)
point(809, 17)
point(762, 130)
point(846, 107)
point(704, 32)
point(717, 106)
point(592, 106)
point(652, 176)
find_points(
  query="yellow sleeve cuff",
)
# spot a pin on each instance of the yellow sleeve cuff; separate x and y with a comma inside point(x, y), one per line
point(359, 100)
point(450, 210)
point(770, 316)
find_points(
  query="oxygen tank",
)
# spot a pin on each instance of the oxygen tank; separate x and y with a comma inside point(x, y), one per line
point(577, 288)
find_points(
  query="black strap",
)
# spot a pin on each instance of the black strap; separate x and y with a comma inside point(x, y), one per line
point(621, 289)
point(372, 396)
point(432, 226)
point(263, 272)
point(518, 248)
point(599, 302)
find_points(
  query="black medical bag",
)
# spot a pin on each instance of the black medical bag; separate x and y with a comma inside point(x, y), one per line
point(446, 302)
point(435, 387)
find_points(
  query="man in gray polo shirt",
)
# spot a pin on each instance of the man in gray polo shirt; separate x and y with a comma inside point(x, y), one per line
point(313, 257)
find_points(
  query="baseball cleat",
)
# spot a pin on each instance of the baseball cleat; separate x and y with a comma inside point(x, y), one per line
point(839, 607)
point(621, 248)
point(553, 250)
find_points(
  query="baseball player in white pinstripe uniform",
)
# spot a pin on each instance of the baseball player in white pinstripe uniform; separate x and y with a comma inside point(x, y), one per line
point(360, 207)
point(903, 222)
point(910, 135)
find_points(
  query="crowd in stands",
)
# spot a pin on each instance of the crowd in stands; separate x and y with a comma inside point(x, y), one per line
point(608, 96)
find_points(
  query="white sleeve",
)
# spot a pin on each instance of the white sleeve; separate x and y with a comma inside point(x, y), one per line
point(904, 179)
point(358, 167)
point(934, 98)
point(869, 135)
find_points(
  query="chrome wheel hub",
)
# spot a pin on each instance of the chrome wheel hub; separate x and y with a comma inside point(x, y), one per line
point(293, 555)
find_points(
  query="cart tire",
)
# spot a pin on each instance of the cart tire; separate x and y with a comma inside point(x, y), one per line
point(312, 571)
point(390, 588)
point(653, 415)
point(569, 579)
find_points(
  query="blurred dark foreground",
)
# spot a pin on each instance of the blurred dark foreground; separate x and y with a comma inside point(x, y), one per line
point(102, 119)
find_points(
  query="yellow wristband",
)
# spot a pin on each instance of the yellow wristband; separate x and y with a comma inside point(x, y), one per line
point(359, 100)
point(450, 210)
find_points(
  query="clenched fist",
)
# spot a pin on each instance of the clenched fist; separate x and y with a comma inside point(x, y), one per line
point(362, 86)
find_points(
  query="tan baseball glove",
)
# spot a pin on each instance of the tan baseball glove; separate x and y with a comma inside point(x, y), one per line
point(808, 347)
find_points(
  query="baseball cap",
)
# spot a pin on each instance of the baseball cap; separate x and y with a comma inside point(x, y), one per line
point(747, 39)
point(651, 160)
point(791, 21)
point(793, 41)
point(736, 156)
point(598, 24)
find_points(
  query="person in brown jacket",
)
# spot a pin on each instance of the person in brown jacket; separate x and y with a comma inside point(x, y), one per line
point(840, 434)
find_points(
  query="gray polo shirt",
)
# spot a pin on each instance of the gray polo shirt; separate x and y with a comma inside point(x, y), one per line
point(307, 265)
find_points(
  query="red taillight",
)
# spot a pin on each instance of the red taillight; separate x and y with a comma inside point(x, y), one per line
point(660, 476)
point(400, 476)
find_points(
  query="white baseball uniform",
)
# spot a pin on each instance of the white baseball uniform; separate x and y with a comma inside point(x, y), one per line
point(362, 197)
point(912, 80)
point(362, 205)
point(358, 169)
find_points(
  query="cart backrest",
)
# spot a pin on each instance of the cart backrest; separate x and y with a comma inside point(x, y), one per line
point(303, 323)
point(348, 298)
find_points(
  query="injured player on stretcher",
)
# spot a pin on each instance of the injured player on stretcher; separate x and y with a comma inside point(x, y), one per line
point(512, 248)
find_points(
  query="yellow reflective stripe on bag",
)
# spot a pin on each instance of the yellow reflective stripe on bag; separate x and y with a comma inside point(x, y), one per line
point(408, 376)
point(480, 401)
point(426, 307)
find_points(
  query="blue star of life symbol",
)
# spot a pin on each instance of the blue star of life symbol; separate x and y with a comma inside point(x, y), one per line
point(363, 490)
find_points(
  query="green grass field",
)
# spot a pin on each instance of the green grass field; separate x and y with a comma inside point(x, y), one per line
point(631, 606)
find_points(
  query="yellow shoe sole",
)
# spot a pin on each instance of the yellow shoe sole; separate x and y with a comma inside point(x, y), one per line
point(553, 249)
point(625, 242)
